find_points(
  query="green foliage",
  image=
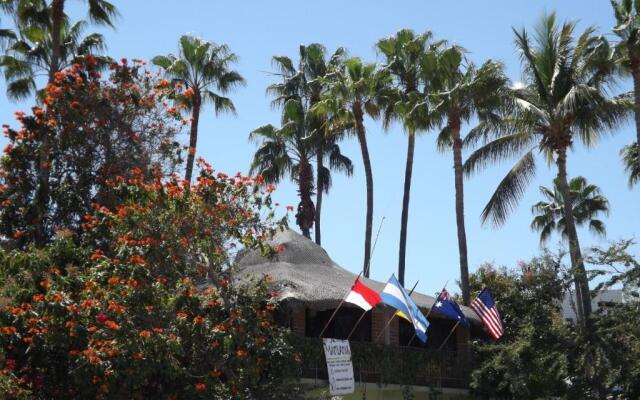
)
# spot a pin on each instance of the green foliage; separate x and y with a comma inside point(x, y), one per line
point(530, 361)
point(631, 160)
point(29, 55)
point(564, 98)
point(94, 132)
point(304, 136)
point(147, 305)
point(541, 355)
point(588, 204)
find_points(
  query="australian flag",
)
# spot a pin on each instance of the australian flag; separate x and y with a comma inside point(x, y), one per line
point(446, 306)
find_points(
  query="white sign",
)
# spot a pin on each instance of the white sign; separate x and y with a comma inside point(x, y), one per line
point(339, 366)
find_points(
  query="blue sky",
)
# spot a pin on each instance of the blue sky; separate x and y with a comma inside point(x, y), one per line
point(257, 30)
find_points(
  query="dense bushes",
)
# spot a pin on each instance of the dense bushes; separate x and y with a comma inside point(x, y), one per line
point(142, 304)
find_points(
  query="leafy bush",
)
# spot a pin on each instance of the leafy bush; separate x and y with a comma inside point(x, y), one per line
point(143, 304)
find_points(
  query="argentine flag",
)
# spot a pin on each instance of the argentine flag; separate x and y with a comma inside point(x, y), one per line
point(394, 295)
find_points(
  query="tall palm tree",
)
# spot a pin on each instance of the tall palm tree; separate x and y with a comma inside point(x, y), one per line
point(588, 204)
point(306, 82)
point(563, 98)
point(353, 90)
point(205, 69)
point(461, 92)
point(403, 55)
point(288, 151)
point(627, 14)
point(29, 55)
point(100, 12)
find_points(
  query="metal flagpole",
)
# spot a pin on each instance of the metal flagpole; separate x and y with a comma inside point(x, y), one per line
point(338, 308)
point(393, 316)
point(428, 313)
point(375, 242)
point(449, 335)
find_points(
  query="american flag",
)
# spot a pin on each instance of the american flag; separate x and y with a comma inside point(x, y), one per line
point(485, 307)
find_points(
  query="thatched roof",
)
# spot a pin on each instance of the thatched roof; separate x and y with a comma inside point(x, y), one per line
point(304, 273)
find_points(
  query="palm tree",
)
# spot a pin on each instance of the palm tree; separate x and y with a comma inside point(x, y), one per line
point(403, 55)
point(353, 89)
point(101, 12)
point(588, 204)
point(563, 98)
point(628, 30)
point(288, 151)
point(631, 158)
point(204, 68)
point(306, 82)
point(6, 35)
point(29, 56)
point(461, 92)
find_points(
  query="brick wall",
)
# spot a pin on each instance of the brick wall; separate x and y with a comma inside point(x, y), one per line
point(379, 319)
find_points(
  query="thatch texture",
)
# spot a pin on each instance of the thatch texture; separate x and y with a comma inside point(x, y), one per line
point(304, 273)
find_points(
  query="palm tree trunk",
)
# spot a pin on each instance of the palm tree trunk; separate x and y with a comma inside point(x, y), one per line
point(577, 263)
point(43, 170)
point(635, 72)
point(405, 206)
point(454, 125)
point(364, 149)
point(306, 211)
point(319, 189)
point(193, 136)
point(57, 15)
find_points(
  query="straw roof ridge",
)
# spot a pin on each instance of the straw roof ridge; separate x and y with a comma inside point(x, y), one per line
point(303, 272)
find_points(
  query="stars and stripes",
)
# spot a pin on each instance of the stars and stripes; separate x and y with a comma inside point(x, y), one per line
point(486, 309)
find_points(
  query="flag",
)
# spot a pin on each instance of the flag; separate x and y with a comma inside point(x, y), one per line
point(397, 297)
point(446, 306)
point(362, 296)
point(486, 309)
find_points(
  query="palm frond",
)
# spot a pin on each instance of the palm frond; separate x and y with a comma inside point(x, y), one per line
point(510, 190)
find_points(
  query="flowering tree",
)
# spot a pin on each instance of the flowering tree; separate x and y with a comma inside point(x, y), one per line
point(146, 307)
point(86, 131)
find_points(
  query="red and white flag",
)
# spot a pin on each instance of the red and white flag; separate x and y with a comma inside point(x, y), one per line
point(362, 296)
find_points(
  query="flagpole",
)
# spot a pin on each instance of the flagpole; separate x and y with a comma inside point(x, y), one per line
point(338, 308)
point(428, 313)
point(356, 325)
point(449, 335)
point(393, 316)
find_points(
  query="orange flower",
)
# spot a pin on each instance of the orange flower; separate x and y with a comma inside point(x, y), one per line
point(201, 387)
point(145, 334)
point(96, 255)
point(241, 353)
point(199, 320)
point(45, 283)
point(137, 259)
point(112, 325)
point(181, 315)
point(8, 330)
point(260, 340)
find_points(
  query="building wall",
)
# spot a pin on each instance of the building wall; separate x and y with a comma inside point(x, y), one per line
point(380, 320)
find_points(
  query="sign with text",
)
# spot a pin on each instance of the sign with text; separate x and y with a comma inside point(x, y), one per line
point(339, 366)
